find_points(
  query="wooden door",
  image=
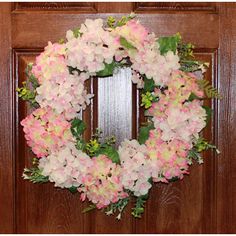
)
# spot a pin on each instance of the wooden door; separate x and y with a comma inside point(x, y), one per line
point(203, 202)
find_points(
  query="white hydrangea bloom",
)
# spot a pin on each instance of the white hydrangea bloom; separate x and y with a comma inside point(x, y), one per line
point(66, 167)
point(136, 171)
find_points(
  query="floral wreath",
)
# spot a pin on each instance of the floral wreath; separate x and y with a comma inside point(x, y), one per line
point(172, 88)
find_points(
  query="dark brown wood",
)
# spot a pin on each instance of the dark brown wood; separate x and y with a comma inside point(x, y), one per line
point(7, 169)
point(166, 7)
point(203, 202)
point(82, 7)
point(226, 164)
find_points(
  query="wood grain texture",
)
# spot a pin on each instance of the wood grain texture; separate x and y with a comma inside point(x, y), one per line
point(175, 7)
point(226, 179)
point(6, 128)
point(162, 24)
point(186, 206)
point(82, 7)
point(203, 202)
point(61, 208)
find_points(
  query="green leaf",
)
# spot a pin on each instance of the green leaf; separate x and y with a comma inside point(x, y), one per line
point(76, 32)
point(34, 175)
point(147, 99)
point(110, 152)
point(193, 97)
point(89, 208)
point(73, 189)
point(144, 133)
point(125, 19)
point(80, 144)
point(209, 90)
point(77, 127)
point(149, 84)
point(173, 179)
point(111, 21)
point(126, 44)
point(138, 210)
point(108, 70)
point(168, 43)
point(208, 112)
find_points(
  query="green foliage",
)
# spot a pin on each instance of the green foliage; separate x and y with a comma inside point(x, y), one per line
point(110, 152)
point(144, 133)
point(174, 179)
point(191, 65)
point(200, 145)
point(138, 210)
point(73, 189)
point(185, 50)
point(169, 43)
point(187, 60)
point(118, 206)
point(76, 32)
point(193, 97)
point(126, 44)
point(208, 112)
point(34, 175)
point(149, 85)
point(194, 155)
point(27, 91)
point(94, 147)
point(26, 94)
point(61, 41)
point(108, 70)
point(77, 127)
point(89, 208)
point(147, 99)
point(31, 78)
point(111, 21)
point(209, 90)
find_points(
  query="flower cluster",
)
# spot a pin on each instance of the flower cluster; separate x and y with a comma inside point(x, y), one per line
point(177, 117)
point(136, 171)
point(133, 32)
point(59, 90)
point(102, 182)
point(169, 159)
point(66, 167)
point(172, 99)
point(92, 48)
point(50, 62)
point(149, 62)
point(97, 178)
point(46, 131)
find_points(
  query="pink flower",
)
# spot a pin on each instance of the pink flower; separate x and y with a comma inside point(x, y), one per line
point(46, 131)
point(102, 182)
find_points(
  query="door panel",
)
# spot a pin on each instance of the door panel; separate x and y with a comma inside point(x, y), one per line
point(202, 202)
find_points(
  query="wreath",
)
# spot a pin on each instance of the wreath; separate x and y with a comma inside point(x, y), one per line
point(172, 88)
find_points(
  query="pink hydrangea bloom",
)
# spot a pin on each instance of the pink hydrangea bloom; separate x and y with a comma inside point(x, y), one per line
point(66, 167)
point(136, 169)
point(92, 49)
point(168, 159)
point(133, 32)
point(148, 60)
point(64, 93)
point(173, 114)
point(59, 90)
point(46, 131)
point(50, 62)
point(102, 183)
